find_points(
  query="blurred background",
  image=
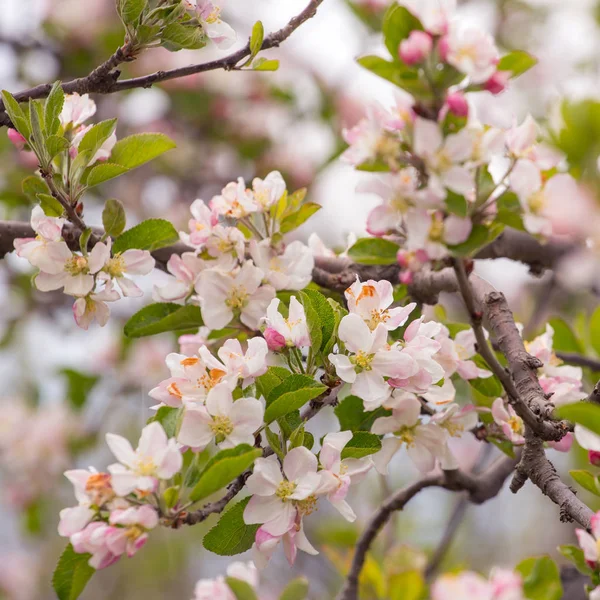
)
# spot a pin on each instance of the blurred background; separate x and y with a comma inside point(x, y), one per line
point(63, 388)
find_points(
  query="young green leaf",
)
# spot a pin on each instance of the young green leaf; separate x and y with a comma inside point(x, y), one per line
point(293, 393)
point(131, 10)
point(374, 251)
point(541, 578)
point(586, 480)
point(295, 590)
point(362, 444)
point(177, 36)
point(17, 115)
point(55, 145)
point(223, 468)
point(270, 380)
point(242, 590)
point(231, 535)
point(575, 555)
point(326, 316)
point(517, 62)
point(84, 238)
point(296, 219)
point(71, 574)
point(53, 108)
point(150, 234)
point(113, 217)
point(50, 205)
point(265, 64)
point(161, 317)
point(398, 22)
point(168, 417)
point(256, 39)
point(32, 186)
point(96, 136)
point(79, 386)
point(138, 149)
point(352, 415)
point(104, 172)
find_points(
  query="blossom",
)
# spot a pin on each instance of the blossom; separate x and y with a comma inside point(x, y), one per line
point(269, 190)
point(293, 539)
point(511, 423)
point(589, 441)
point(200, 225)
point(102, 154)
point(291, 270)
point(521, 144)
point(291, 331)
point(455, 420)
point(213, 589)
point(130, 529)
point(74, 273)
point(457, 104)
point(209, 13)
point(276, 500)
point(224, 244)
point(76, 110)
point(190, 342)
point(444, 157)
point(337, 474)
point(230, 423)
point(93, 307)
point(93, 540)
point(371, 301)
point(130, 262)
point(156, 457)
point(16, 139)
point(415, 48)
point(503, 584)
point(371, 360)
point(245, 366)
point(223, 296)
point(455, 355)
point(424, 442)
point(47, 249)
point(184, 270)
point(589, 542)
point(471, 51)
point(235, 201)
point(433, 14)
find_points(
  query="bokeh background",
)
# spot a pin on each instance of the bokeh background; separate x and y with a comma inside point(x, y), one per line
point(62, 388)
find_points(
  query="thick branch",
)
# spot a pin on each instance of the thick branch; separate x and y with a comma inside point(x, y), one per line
point(104, 79)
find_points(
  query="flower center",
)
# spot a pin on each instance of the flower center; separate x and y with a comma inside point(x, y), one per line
point(237, 298)
point(536, 202)
point(145, 466)
point(98, 488)
point(174, 390)
point(133, 532)
point(461, 351)
point(211, 379)
point(307, 506)
point(516, 424)
point(406, 435)
point(115, 266)
point(454, 429)
point(378, 316)
point(436, 231)
point(222, 426)
point(362, 360)
point(77, 265)
point(285, 489)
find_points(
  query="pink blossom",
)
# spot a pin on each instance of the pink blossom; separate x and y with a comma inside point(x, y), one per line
point(291, 270)
point(511, 423)
point(589, 542)
point(435, 15)
point(473, 52)
point(184, 270)
point(275, 340)
point(16, 139)
point(269, 190)
point(209, 13)
point(416, 48)
point(498, 82)
point(190, 342)
point(93, 539)
point(200, 225)
point(130, 527)
point(293, 539)
point(93, 307)
point(294, 329)
point(102, 154)
point(76, 110)
point(235, 201)
point(457, 104)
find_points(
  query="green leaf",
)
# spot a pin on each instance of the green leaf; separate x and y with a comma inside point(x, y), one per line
point(242, 590)
point(17, 115)
point(270, 380)
point(150, 234)
point(398, 22)
point(265, 64)
point(104, 172)
point(168, 417)
point(313, 321)
point(274, 443)
point(488, 386)
point(71, 574)
point(408, 585)
point(32, 186)
point(374, 251)
point(84, 238)
point(362, 444)
point(457, 204)
point(293, 393)
point(79, 385)
point(326, 316)
point(352, 415)
point(564, 339)
point(161, 317)
point(131, 10)
point(586, 480)
point(138, 149)
point(296, 219)
point(177, 36)
point(231, 535)
point(38, 139)
point(479, 236)
point(397, 73)
point(541, 578)
point(223, 468)
point(594, 330)
point(113, 217)
point(50, 205)
point(575, 555)
point(53, 108)
point(517, 62)
point(509, 211)
point(55, 145)
point(256, 39)
point(96, 136)
point(295, 590)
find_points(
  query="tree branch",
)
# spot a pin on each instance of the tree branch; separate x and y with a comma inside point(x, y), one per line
point(104, 79)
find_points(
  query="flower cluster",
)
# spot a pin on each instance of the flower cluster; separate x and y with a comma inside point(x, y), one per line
point(501, 585)
point(116, 510)
point(88, 276)
point(228, 276)
point(218, 589)
point(209, 15)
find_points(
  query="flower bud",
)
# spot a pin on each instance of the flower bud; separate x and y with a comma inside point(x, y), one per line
point(17, 140)
point(275, 341)
point(416, 48)
point(594, 457)
point(443, 48)
point(457, 104)
point(497, 82)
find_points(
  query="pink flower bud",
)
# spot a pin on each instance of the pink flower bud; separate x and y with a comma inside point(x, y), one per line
point(443, 48)
point(457, 104)
point(497, 82)
point(416, 48)
point(17, 140)
point(406, 277)
point(275, 341)
point(402, 259)
point(594, 457)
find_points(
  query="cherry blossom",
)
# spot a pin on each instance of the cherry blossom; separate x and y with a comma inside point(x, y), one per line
point(268, 191)
point(184, 270)
point(156, 457)
point(291, 270)
point(76, 110)
point(511, 423)
point(200, 225)
point(93, 540)
point(130, 262)
point(230, 423)
point(291, 331)
point(243, 365)
point(234, 201)
point(94, 307)
point(130, 529)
